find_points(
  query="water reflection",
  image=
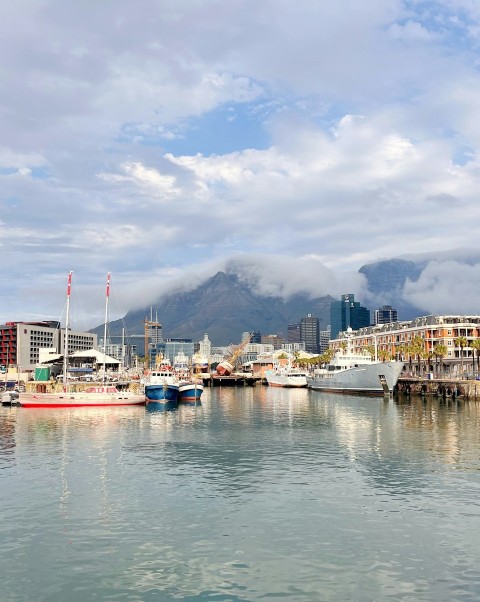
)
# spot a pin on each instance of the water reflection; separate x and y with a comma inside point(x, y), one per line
point(7, 437)
point(257, 493)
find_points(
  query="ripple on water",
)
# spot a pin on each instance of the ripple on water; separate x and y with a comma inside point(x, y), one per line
point(256, 494)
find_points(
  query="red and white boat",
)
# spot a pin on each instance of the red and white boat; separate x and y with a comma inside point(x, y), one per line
point(92, 396)
point(101, 395)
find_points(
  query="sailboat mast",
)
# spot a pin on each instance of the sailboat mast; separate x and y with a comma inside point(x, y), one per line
point(107, 299)
point(67, 327)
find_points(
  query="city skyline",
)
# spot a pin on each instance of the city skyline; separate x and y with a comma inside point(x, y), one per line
point(162, 142)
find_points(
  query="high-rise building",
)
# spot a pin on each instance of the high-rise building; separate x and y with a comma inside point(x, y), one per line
point(205, 346)
point(347, 313)
point(293, 333)
point(385, 315)
point(310, 333)
point(324, 339)
point(273, 339)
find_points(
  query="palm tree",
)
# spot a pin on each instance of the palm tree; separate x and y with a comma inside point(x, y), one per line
point(399, 351)
point(427, 357)
point(296, 355)
point(384, 355)
point(440, 351)
point(417, 347)
point(462, 343)
point(328, 355)
point(475, 345)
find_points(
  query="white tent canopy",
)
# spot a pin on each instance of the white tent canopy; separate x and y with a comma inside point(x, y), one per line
point(98, 357)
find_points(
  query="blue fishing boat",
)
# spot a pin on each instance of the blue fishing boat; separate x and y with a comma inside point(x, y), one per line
point(161, 390)
point(190, 392)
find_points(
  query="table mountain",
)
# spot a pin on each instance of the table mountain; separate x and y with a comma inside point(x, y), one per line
point(224, 307)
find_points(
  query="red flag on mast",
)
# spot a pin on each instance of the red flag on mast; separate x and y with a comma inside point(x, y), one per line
point(108, 284)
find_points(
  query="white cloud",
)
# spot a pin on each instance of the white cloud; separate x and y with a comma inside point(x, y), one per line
point(446, 287)
point(352, 133)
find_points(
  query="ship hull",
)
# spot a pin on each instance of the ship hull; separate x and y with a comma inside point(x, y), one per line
point(190, 393)
point(161, 392)
point(289, 380)
point(375, 379)
point(78, 400)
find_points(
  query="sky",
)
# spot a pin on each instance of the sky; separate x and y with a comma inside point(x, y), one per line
point(163, 140)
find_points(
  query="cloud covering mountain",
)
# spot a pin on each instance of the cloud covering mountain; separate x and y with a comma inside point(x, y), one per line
point(252, 295)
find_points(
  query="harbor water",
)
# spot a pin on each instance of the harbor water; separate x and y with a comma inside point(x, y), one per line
point(258, 494)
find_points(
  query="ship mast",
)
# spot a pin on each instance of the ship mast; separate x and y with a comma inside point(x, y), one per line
point(107, 299)
point(67, 326)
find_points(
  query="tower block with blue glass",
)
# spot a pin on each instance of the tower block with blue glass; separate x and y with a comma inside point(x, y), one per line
point(347, 312)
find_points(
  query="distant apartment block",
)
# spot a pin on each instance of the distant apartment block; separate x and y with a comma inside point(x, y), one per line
point(273, 339)
point(385, 315)
point(325, 339)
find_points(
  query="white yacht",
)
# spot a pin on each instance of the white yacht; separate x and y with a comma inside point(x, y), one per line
point(356, 373)
point(286, 376)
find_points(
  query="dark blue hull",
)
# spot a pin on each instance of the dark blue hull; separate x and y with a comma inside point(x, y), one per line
point(161, 393)
point(190, 393)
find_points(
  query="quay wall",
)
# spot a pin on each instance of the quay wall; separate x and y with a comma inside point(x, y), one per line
point(439, 387)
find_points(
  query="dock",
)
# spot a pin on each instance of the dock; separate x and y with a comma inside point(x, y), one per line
point(232, 380)
point(439, 387)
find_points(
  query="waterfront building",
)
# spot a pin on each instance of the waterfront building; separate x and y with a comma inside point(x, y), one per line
point(347, 313)
point(310, 333)
point(454, 333)
point(21, 342)
point(385, 315)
